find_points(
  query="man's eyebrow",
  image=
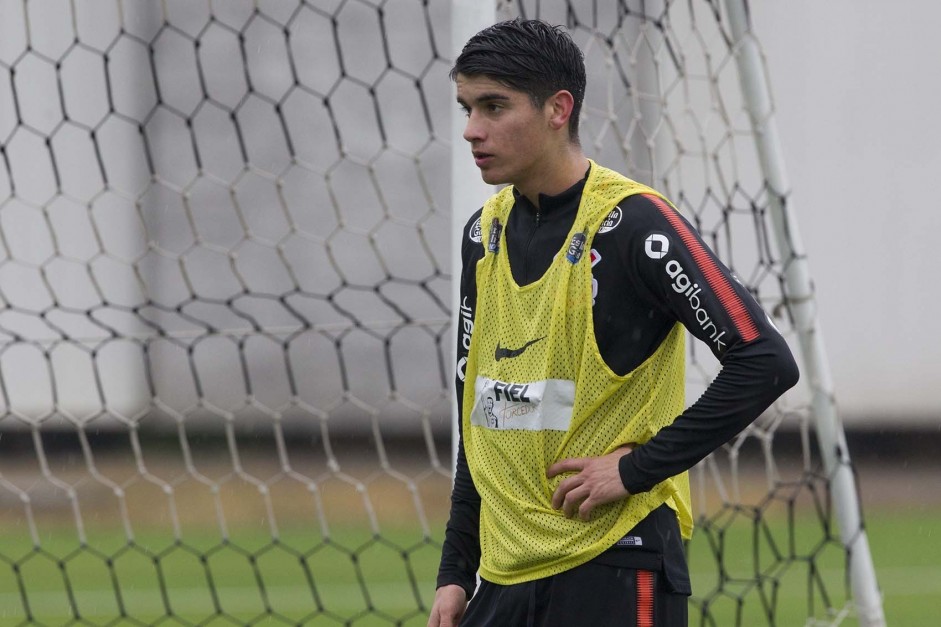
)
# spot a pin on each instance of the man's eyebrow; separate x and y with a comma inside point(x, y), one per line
point(484, 98)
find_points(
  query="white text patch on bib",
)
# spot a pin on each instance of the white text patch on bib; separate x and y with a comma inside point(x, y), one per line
point(533, 406)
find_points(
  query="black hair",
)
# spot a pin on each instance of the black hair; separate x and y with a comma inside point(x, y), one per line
point(530, 56)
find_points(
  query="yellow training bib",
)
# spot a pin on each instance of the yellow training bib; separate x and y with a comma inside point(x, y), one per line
point(537, 391)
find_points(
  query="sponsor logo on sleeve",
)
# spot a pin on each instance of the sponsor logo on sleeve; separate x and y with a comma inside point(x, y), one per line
point(682, 284)
point(466, 331)
point(656, 246)
point(722, 295)
point(475, 233)
point(611, 221)
point(467, 324)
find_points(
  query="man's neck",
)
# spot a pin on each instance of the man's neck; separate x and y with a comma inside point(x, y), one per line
point(556, 177)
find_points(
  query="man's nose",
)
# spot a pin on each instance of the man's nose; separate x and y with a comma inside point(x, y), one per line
point(473, 130)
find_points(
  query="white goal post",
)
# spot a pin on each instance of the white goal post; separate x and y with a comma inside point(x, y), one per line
point(800, 298)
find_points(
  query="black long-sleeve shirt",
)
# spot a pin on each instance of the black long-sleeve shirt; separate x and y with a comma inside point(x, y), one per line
point(650, 269)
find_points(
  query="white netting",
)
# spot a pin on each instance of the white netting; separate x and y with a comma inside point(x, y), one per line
point(224, 307)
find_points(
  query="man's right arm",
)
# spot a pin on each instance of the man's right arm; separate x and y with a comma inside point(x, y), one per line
point(460, 554)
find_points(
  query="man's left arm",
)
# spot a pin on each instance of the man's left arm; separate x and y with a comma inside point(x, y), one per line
point(671, 267)
point(690, 283)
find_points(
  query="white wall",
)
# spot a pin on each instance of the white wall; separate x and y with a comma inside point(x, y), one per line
point(859, 110)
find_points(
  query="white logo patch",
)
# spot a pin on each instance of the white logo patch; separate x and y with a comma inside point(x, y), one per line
point(474, 233)
point(537, 406)
point(467, 324)
point(612, 221)
point(656, 246)
point(630, 541)
point(682, 284)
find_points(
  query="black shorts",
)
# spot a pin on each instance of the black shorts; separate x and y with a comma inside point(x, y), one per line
point(643, 582)
point(590, 595)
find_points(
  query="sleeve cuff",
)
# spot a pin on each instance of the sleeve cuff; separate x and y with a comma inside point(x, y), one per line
point(631, 477)
point(447, 580)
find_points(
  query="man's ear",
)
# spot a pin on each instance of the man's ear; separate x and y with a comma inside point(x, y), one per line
point(558, 109)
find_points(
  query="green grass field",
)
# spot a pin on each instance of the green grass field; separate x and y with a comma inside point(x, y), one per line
point(355, 579)
point(907, 554)
point(904, 548)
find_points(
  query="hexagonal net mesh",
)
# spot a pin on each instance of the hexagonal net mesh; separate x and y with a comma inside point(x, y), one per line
point(224, 307)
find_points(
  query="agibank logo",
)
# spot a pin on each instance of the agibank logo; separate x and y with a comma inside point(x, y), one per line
point(656, 246)
point(682, 284)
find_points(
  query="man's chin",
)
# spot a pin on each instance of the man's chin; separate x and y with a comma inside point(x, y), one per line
point(491, 177)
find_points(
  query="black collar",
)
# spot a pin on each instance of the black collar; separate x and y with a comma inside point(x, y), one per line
point(552, 205)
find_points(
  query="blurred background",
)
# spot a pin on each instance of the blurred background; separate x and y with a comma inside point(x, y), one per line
point(856, 109)
point(863, 149)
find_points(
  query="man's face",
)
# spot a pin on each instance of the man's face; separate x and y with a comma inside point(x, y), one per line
point(508, 135)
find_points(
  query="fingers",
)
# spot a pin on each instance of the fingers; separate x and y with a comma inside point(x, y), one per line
point(439, 618)
point(442, 621)
point(448, 607)
point(572, 497)
point(571, 491)
point(573, 464)
point(562, 491)
point(596, 481)
point(577, 504)
point(577, 464)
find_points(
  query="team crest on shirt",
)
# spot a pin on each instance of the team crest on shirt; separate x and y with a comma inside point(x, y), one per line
point(611, 221)
point(576, 248)
point(493, 242)
point(475, 233)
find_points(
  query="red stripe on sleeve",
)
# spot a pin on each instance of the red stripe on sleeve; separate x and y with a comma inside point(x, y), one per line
point(723, 290)
point(644, 598)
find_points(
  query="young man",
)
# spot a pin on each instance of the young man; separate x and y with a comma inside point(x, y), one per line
point(571, 497)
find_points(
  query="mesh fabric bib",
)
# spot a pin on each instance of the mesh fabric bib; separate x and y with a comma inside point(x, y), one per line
point(537, 391)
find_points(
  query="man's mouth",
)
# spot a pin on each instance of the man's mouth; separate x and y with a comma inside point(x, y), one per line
point(482, 158)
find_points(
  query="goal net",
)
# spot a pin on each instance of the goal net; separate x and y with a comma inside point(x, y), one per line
point(225, 308)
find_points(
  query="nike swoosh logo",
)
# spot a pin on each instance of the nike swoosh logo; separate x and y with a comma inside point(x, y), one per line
point(509, 353)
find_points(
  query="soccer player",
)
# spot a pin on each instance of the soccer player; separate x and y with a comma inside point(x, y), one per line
point(571, 498)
